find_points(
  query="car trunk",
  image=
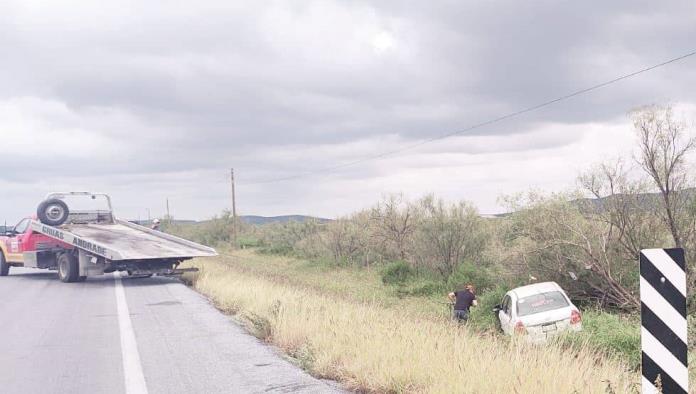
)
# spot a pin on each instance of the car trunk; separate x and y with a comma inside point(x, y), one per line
point(544, 325)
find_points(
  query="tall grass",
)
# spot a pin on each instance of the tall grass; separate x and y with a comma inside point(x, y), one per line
point(371, 347)
point(613, 334)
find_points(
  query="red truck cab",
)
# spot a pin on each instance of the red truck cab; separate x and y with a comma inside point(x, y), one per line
point(21, 239)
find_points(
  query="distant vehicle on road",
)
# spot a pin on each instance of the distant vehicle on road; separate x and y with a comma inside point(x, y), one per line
point(91, 241)
point(538, 311)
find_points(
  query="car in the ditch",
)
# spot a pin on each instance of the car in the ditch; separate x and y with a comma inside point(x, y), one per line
point(538, 312)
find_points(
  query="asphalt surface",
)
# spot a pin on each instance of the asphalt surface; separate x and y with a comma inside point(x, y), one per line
point(74, 338)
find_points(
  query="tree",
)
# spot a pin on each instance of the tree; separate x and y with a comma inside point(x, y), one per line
point(664, 144)
point(393, 224)
point(624, 205)
point(347, 240)
point(282, 238)
point(448, 234)
point(557, 241)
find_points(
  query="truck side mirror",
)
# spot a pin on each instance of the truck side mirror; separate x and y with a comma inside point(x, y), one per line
point(497, 308)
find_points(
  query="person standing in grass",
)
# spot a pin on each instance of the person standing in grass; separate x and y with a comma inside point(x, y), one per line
point(463, 300)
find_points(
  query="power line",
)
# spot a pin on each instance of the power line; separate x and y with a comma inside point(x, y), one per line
point(472, 127)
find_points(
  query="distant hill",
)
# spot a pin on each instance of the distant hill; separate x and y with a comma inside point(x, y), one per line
point(591, 204)
point(645, 200)
point(494, 215)
point(253, 219)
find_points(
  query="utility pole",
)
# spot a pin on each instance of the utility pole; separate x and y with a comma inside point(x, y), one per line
point(234, 210)
point(169, 217)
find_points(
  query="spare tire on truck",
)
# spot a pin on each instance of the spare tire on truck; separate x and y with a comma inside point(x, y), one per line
point(53, 212)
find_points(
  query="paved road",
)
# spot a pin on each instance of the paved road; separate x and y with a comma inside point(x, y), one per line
point(112, 335)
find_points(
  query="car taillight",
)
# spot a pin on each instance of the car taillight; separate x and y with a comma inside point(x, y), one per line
point(519, 328)
point(575, 317)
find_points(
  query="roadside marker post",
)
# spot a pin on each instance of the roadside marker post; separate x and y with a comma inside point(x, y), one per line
point(664, 362)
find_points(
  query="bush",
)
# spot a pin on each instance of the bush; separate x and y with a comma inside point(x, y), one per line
point(482, 316)
point(282, 250)
point(421, 288)
point(397, 273)
point(283, 238)
point(214, 232)
point(468, 273)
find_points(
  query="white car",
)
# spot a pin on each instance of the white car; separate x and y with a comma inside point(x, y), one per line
point(538, 311)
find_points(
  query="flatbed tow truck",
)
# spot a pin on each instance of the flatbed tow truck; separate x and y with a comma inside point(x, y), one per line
point(89, 242)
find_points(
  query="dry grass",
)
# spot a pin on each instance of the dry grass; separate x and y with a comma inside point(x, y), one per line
point(371, 347)
point(363, 285)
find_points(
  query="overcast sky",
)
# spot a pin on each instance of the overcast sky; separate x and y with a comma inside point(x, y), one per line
point(149, 100)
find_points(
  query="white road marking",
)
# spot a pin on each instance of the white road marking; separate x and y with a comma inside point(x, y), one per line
point(132, 369)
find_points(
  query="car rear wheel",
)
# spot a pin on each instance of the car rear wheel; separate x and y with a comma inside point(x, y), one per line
point(4, 267)
point(68, 268)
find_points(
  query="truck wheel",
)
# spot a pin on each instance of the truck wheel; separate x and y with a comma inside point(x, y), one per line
point(68, 268)
point(53, 212)
point(4, 267)
point(81, 278)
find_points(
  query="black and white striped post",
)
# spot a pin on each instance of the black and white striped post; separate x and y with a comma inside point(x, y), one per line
point(663, 318)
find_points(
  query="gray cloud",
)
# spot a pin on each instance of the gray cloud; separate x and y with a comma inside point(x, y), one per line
point(154, 90)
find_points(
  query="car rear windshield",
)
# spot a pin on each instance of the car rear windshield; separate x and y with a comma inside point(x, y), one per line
point(543, 302)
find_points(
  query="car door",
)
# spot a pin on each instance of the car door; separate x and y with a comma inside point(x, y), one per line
point(505, 314)
point(15, 244)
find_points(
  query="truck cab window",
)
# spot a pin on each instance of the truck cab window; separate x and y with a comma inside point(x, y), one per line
point(22, 226)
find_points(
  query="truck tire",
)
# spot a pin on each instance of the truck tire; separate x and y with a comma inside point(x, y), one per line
point(68, 268)
point(53, 212)
point(4, 267)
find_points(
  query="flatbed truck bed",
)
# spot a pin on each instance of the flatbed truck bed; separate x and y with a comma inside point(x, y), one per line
point(124, 241)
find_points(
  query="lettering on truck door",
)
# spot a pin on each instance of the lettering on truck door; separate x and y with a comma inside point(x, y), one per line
point(15, 247)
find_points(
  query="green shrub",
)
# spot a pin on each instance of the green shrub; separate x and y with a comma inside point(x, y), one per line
point(248, 242)
point(283, 238)
point(282, 250)
point(482, 316)
point(397, 273)
point(421, 288)
point(214, 232)
point(468, 273)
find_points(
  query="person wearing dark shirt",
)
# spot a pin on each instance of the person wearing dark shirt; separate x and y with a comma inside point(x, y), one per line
point(463, 300)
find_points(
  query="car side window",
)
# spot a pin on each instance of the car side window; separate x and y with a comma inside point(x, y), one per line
point(22, 226)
